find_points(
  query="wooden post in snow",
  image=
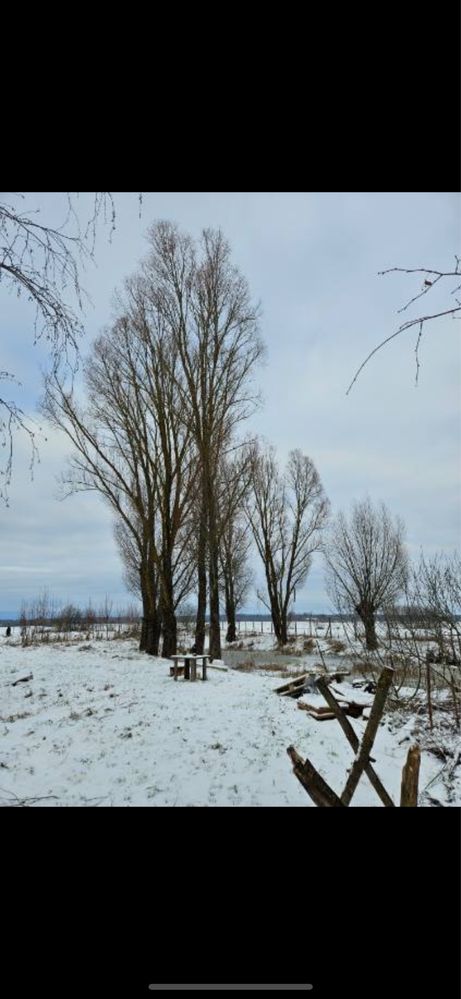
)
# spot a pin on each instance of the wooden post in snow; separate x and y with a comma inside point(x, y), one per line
point(410, 777)
point(317, 788)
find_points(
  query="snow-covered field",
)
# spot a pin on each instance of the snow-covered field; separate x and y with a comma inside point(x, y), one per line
point(101, 724)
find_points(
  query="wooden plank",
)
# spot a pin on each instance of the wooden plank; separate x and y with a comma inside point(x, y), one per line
point(293, 683)
point(324, 716)
point(313, 707)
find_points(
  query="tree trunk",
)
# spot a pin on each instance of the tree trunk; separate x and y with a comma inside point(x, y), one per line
point(143, 639)
point(213, 563)
point(277, 620)
point(169, 630)
point(231, 633)
point(367, 617)
point(276, 613)
point(202, 587)
point(215, 626)
point(152, 633)
point(283, 629)
point(151, 620)
point(169, 626)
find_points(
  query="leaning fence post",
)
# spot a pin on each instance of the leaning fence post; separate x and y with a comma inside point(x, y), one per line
point(363, 754)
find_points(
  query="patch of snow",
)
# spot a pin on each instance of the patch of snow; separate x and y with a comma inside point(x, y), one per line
point(103, 724)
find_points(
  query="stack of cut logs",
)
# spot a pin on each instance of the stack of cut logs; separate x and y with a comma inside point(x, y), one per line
point(299, 685)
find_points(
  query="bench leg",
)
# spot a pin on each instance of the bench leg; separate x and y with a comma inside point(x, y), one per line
point(193, 669)
point(204, 670)
point(186, 669)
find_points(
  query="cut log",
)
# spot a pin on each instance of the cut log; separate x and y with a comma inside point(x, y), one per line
point(354, 742)
point(410, 777)
point(317, 788)
point(322, 716)
point(23, 679)
point(312, 707)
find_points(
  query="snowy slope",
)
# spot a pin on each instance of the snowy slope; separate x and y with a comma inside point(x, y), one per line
point(102, 724)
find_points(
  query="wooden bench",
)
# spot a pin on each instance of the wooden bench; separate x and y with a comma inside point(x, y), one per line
point(189, 670)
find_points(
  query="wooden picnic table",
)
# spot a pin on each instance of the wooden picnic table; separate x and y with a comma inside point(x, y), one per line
point(190, 665)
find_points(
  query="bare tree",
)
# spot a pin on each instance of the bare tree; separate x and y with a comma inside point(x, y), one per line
point(236, 573)
point(44, 263)
point(131, 445)
point(235, 540)
point(286, 513)
point(434, 597)
point(205, 304)
point(431, 279)
point(367, 563)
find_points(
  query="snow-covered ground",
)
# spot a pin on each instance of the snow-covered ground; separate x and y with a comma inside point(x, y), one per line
point(101, 724)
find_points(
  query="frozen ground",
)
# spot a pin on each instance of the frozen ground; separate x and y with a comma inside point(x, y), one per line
point(102, 724)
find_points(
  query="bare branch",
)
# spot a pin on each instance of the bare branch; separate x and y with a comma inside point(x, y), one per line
point(419, 321)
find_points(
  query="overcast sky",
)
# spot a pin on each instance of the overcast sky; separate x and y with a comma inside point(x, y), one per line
point(312, 260)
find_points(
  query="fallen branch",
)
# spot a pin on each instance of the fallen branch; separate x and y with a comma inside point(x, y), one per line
point(23, 679)
point(22, 802)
